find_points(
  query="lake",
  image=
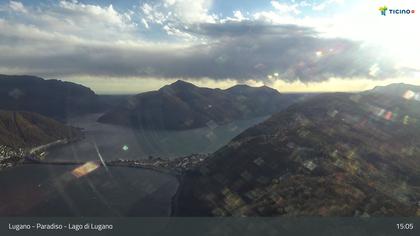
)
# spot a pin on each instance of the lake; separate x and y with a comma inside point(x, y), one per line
point(52, 190)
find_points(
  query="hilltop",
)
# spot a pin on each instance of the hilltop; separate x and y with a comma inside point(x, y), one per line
point(182, 105)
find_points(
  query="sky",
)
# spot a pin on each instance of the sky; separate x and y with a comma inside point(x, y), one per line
point(126, 47)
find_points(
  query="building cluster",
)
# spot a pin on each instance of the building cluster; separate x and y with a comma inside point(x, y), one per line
point(177, 164)
point(9, 156)
point(188, 162)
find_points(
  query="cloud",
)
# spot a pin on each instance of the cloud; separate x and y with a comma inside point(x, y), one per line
point(237, 16)
point(17, 6)
point(256, 49)
point(324, 4)
point(286, 8)
point(74, 19)
point(71, 39)
point(238, 50)
point(173, 16)
point(190, 11)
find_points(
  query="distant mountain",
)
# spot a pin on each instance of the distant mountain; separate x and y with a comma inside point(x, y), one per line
point(52, 98)
point(182, 105)
point(332, 155)
point(400, 89)
point(26, 130)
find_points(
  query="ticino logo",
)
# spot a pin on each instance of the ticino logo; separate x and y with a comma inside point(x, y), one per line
point(385, 10)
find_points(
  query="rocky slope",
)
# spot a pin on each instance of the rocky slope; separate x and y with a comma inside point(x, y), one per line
point(333, 155)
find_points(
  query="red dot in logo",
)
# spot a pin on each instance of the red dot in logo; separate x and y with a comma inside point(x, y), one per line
point(413, 11)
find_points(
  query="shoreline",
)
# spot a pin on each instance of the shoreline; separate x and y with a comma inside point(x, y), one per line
point(55, 144)
point(33, 152)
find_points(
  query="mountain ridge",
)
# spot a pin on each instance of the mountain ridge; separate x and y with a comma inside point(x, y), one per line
point(396, 89)
point(192, 107)
point(53, 98)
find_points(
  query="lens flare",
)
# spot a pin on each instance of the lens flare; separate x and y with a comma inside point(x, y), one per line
point(85, 169)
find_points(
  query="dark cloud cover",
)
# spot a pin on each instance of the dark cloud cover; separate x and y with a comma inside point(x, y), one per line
point(236, 50)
